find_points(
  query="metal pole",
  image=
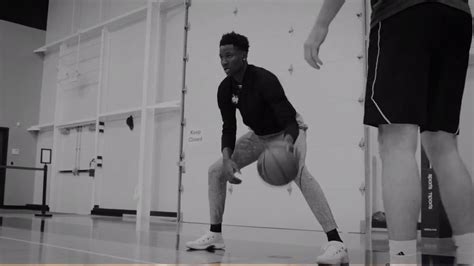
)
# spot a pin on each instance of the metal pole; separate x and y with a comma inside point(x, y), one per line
point(20, 167)
point(45, 178)
point(367, 152)
point(43, 206)
point(187, 4)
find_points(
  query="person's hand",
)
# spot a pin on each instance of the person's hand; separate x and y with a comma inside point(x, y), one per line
point(230, 167)
point(312, 45)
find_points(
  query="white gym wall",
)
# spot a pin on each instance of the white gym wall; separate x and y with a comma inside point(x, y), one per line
point(98, 75)
point(112, 62)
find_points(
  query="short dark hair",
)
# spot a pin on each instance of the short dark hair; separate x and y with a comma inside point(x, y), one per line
point(239, 41)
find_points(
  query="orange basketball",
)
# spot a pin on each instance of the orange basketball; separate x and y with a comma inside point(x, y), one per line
point(277, 165)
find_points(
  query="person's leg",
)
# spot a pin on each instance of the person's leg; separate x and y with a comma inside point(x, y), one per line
point(401, 186)
point(311, 189)
point(334, 251)
point(454, 181)
point(247, 149)
point(448, 72)
point(455, 185)
point(217, 185)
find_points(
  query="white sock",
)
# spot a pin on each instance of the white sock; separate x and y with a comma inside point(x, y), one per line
point(406, 247)
point(464, 242)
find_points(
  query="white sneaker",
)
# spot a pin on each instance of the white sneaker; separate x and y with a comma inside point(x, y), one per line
point(210, 240)
point(334, 252)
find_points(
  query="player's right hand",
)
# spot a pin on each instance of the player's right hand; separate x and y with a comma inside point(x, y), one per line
point(312, 45)
point(230, 167)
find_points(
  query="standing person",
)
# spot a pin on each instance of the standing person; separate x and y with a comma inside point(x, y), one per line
point(265, 109)
point(418, 59)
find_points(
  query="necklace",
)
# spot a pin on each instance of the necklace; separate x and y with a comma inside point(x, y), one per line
point(235, 95)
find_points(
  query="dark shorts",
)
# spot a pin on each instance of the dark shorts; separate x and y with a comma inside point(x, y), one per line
point(418, 61)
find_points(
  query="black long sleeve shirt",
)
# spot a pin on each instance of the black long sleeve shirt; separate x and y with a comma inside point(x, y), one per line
point(262, 103)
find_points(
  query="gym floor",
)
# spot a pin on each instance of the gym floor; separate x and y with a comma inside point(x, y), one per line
point(85, 239)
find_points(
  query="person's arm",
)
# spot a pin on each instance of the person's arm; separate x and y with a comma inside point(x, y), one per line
point(274, 95)
point(328, 12)
point(227, 153)
point(229, 131)
point(319, 31)
point(229, 123)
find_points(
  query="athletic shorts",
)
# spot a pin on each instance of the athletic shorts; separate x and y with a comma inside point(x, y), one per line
point(418, 61)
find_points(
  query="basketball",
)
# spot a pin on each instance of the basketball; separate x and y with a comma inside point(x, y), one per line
point(276, 165)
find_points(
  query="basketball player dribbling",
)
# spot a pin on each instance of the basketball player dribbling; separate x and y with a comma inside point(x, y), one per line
point(265, 109)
